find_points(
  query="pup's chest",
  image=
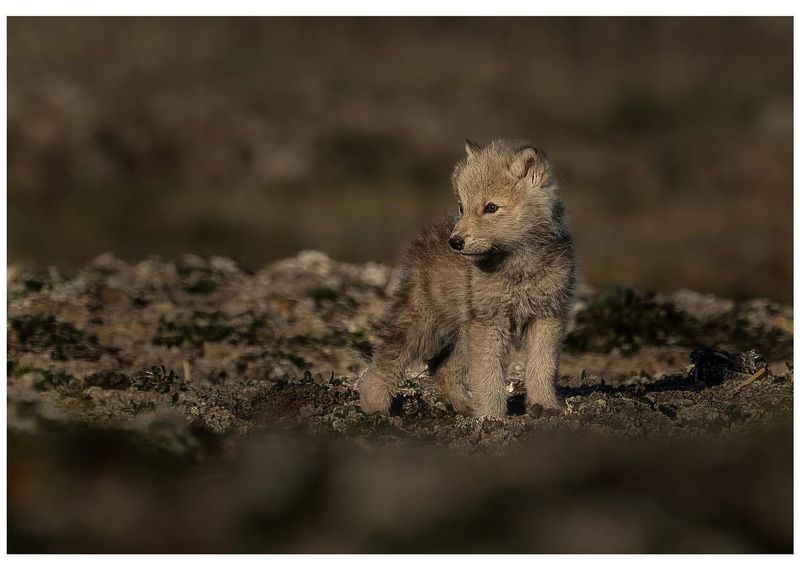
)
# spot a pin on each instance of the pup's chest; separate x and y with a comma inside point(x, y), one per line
point(512, 301)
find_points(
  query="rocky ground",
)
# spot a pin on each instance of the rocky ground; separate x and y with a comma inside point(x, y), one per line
point(193, 405)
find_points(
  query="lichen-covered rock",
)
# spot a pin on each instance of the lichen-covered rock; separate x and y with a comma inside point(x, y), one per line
point(233, 350)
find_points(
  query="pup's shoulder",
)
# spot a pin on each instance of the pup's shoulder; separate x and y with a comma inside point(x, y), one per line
point(430, 247)
point(433, 237)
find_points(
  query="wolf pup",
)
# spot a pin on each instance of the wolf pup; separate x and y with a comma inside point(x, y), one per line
point(502, 273)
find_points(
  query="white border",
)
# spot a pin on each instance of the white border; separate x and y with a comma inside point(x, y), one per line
point(598, 564)
point(407, 8)
point(3, 288)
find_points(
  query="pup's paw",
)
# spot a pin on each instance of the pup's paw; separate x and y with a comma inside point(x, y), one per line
point(547, 405)
point(374, 395)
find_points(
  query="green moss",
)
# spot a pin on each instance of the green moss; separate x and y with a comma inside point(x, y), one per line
point(201, 286)
point(253, 331)
point(157, 378)
point(197, 278)
point(735, 334)
point(184, 269)
point(357, 340)
point(64, 341)
point(55, 380)
point(34, 281)
point(296, 360)
point(201, 327)
point(625, 319)
point(109, 380)
point(34, 285)
point(321, 295)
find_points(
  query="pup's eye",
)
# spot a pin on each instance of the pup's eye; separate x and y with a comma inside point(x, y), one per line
point(490, 208)
point(460, 208)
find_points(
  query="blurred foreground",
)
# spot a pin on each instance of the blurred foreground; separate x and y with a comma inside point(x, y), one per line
point(194, 406)
point(73, 490)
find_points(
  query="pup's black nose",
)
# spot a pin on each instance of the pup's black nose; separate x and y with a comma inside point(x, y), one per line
point(457, 242)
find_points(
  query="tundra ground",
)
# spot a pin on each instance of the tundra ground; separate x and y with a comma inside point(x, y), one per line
point(193, 405)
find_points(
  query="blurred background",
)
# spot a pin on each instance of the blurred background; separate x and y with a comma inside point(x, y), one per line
point(257, 137)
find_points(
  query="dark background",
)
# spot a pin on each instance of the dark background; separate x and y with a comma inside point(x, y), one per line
point(254, 138)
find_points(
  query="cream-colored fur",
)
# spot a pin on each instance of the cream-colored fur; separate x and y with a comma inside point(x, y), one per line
point(510, 282)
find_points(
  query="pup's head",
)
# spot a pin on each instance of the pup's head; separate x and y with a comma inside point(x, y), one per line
point(506, 193)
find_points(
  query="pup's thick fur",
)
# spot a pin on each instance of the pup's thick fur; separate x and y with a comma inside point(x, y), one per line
point(512, 282)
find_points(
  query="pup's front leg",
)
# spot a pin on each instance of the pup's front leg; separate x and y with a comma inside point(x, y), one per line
point(376, 389)
point(488, 357)
point(542, 343)
point(388, 368)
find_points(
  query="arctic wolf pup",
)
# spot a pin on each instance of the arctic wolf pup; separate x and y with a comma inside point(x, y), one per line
point(501, 274)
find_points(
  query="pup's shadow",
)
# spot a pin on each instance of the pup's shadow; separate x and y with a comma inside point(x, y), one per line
point(516, 405)
point(668, 383)
point(396, 407)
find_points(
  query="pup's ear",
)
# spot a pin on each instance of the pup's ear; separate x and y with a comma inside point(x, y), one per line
point(532, 164)
point(472, 148)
